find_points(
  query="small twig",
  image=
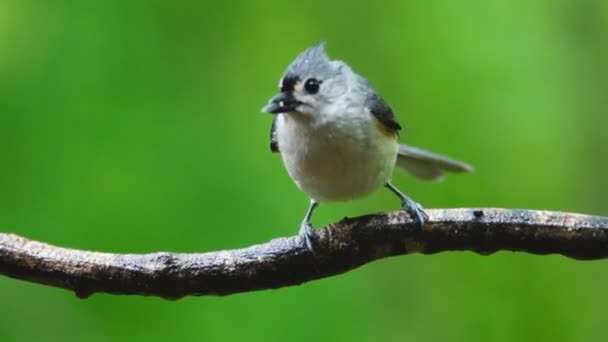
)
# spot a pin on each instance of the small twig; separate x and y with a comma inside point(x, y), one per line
point(283, 262)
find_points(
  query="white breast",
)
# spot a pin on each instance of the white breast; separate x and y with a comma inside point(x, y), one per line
point(336, 159)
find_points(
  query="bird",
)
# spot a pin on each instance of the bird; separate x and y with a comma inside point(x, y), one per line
point(339, 139)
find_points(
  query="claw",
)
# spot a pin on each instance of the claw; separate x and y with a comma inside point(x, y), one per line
point(306, 228)
point(307, 235)
point(416, 211)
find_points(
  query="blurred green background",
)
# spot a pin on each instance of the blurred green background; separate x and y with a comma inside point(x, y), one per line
point(135, 127)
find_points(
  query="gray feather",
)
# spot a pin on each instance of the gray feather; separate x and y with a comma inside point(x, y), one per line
point(427, 165)
point(376, 105)
point(312, 61)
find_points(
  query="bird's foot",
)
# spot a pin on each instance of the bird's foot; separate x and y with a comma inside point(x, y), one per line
point(307, 235)
point(415, 210)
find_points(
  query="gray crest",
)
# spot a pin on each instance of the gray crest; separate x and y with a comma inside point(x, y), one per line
point(311, 62)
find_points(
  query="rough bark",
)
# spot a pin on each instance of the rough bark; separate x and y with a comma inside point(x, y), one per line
point(285, 261)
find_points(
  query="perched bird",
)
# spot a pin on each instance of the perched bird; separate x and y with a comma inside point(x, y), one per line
point(338, 138)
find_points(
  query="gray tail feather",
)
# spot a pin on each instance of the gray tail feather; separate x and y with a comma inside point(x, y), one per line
point(427, 165)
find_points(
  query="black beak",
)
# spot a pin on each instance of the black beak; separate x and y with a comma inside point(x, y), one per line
point(283, 102)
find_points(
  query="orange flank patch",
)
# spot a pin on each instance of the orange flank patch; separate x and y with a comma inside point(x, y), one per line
point(385, 130)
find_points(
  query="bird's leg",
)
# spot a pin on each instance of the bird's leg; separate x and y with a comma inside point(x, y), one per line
point(306, 228)
point(414, 209)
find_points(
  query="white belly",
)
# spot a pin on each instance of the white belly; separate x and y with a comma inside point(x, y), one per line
point(336, 161)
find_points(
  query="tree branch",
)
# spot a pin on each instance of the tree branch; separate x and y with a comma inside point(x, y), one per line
point(284, 261)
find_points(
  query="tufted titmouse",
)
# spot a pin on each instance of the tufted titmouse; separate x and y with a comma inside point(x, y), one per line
point(339, 139)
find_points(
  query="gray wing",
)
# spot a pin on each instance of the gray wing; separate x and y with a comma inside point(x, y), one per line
point(427, 165)
point(376, 105)
point(274, 143)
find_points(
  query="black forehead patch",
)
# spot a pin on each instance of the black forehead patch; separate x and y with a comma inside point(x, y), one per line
point(289, 82)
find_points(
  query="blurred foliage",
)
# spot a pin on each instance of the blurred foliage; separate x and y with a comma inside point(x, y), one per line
point(135, 127)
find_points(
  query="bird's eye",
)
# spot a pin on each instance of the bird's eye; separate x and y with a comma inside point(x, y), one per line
point(312, 85)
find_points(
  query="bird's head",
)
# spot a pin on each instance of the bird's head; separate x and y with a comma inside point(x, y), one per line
point(311, 83)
